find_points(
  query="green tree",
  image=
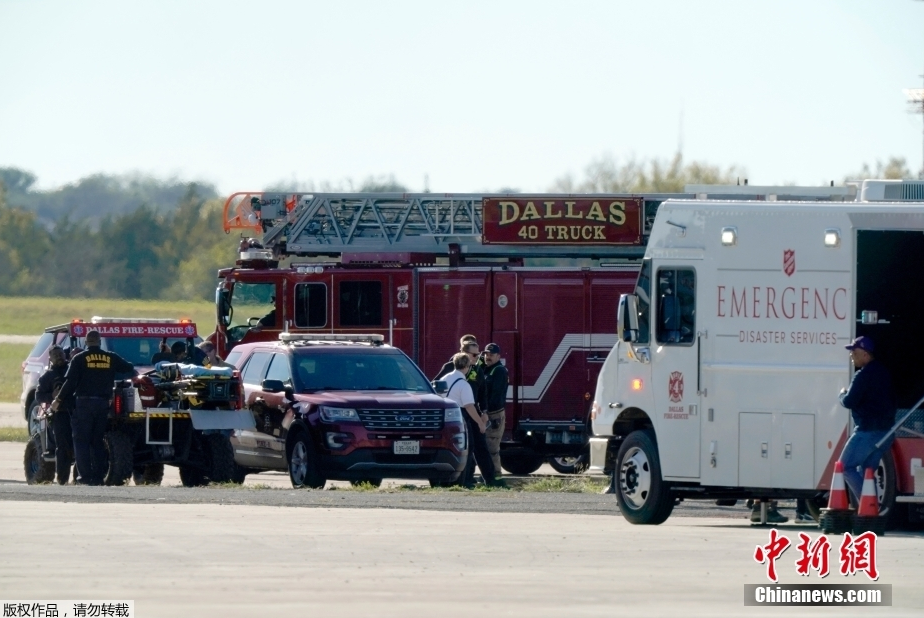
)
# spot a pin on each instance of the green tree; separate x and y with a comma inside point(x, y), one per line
point(23, 243)
point(606, 175)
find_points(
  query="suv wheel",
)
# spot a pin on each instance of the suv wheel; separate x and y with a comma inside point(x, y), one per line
point(303, 467)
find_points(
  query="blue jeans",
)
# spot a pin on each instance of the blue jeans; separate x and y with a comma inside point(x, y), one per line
point(861, 453)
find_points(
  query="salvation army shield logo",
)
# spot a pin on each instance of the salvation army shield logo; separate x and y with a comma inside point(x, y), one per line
point(675, 387)
point(789, 262)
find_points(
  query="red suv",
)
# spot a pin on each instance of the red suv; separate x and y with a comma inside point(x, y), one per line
point(344, 407)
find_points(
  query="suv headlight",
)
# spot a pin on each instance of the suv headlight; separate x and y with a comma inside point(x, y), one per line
point(453, 415)
point(333, 415)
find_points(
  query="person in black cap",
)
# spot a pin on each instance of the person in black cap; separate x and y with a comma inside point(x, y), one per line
point(48, 387)
point(492, 398)
point(90, 377)
point(872, 405)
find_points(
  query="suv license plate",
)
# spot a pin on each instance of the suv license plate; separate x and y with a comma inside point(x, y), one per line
point(407, 447)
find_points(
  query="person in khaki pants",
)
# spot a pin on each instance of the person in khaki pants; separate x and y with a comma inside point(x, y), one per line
point(492, 398)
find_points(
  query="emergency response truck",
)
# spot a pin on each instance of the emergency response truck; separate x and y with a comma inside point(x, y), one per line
point(424, 269)
point(724, 379)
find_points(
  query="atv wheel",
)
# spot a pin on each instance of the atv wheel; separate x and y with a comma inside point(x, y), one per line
point(520, 460)
point(121, 458)
point(150, 474)
point(303, 466)
point(643, 496)
point(569, 465)
point(37, 469)
point(220, 454)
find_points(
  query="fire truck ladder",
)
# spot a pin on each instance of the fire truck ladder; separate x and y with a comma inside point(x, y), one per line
point(426, 223)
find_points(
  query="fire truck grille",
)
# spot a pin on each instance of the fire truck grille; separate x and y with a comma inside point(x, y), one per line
point(403, 420)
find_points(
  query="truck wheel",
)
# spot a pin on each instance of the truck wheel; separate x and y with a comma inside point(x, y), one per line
point(520, 460)
point(37, 469)
point(303, 466)
point(360, 482)
point(221, 457)
point(121, 458)
point(569, 465)
point(643, 496)
point(151, 474)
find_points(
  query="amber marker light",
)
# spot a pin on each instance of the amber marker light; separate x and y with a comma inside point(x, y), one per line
point(636, 384)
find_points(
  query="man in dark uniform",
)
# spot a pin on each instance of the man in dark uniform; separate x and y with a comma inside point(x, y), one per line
point(48, 386)
point(872, 405)
point(492, 398)
point(463, 344)
point(90, 377)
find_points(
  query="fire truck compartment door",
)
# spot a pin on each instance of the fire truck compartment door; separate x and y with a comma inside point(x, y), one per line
point(222, 419)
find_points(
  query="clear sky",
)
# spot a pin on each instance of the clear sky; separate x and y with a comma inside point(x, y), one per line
point(474, 95)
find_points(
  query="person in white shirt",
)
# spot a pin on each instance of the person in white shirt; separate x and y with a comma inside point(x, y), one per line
point(460, 391)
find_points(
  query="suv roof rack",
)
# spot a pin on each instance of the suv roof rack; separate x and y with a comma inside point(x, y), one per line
point(332, 338)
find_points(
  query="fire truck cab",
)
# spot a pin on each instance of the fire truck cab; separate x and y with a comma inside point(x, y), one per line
point(724, 379)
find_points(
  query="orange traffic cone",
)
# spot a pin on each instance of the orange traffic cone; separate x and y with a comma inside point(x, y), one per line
point(837, 518)
point(837, 501)
point(869, 503)
point(867, 519)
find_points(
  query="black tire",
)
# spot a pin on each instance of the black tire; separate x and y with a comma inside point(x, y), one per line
point(520, 461)
point(150, 474)
point(303, 466)
point(240, 474)
point(121, 458)
point(643, 496)
point(221, 457)
point(570, 465)
point(192, 476)
point(36, 468)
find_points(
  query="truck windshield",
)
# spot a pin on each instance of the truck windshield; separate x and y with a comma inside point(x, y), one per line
point(247, 305)
point(357, 371)
point(138, 350)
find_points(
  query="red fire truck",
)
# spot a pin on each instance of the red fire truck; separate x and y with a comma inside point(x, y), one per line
point(424, 269)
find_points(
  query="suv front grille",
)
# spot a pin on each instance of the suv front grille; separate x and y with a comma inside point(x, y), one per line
point(404, 420)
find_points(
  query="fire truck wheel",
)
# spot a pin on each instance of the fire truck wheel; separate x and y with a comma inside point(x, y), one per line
point(303, 467)
point(643, 496)
point(520, 460)
point(221, 457)
point(151, 474)
point(361, 482)
point(569, 465)
point(37, 469)
point(121, 458)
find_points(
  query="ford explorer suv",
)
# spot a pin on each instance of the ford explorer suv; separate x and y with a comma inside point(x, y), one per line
point(344, 407)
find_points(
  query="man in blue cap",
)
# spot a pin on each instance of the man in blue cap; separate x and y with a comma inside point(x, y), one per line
point(872, 405)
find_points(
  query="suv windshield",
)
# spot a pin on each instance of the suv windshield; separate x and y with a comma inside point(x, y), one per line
point(356, 371)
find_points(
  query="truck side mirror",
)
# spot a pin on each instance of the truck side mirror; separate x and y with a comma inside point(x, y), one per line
point(627, 318)
point(440, 387)
point(273, 386)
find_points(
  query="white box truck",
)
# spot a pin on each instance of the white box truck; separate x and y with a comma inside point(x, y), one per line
point(724, 381)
